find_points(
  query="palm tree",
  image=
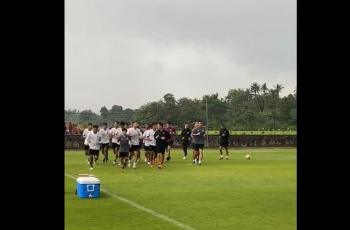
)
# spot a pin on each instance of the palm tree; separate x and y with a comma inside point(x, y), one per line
point(278, 89)
point(255, 88)
point(264, 88)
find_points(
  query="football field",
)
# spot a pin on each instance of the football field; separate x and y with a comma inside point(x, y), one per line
point(256, 194)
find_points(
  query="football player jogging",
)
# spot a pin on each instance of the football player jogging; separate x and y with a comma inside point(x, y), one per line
point(146, 142)
point(135, 135)
point(118, 133)
point(140, 143)
point(124, 148)
point(194, 152)
point(152, 144)
point(86, 145)
point(93, 139)
point(198, 134)
point(162, 138)
point(104, 131)
point(224, 135)
point(172, 131)
point(113, 135)
point(185, 139)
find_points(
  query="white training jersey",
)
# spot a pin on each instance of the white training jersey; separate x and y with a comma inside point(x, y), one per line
point(119, 132)
point(85, 133)
point(93, 140)
point(152, 141)
point(113, 134)
point(146, 137)
point(135, 136)
point(104, 135)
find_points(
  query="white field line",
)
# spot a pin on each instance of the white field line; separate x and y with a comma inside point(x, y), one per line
point(149, 211)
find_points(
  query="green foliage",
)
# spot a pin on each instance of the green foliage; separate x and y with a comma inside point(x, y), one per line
point(255, 108)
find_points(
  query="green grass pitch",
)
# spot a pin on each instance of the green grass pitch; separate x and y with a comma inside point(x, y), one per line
point(257, 194)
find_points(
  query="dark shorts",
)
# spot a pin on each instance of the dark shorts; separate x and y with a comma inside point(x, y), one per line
point(153, 148)
point(161, 149)
point(94, 152)
point(124, 154)
point(104, 145)
point(134, 148)
point(115, 145)
point(197, 146)
point(147, 148)
point(224, 144)
point(170, 143)
point(86, 147)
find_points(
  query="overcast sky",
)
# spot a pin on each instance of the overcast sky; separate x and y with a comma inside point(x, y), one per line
point(129, 52)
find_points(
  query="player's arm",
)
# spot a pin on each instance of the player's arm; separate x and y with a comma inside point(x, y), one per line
point(167, 136)
point(194, 134)
point(111, 134)
point(144, 135)
point(140, 134)
point(88, 138)
point(183, 134)
point(99, 138)
point(129, 133)
point(156, 135)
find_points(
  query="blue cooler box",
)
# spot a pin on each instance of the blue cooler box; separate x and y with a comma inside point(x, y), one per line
point(88, 187)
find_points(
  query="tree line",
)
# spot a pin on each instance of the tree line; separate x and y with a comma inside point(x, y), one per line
point(255, 108)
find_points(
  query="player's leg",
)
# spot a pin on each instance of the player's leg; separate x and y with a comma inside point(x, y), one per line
point(226, 148)
point(221, 156)
point(131, 153)
point(117, 159)
point(161, 159)
point(103, 153)
point(147, 152)
point(86, 149)
point(96, 156)
point(201, 152)
point(106, 152)
point(193, 153)
point(184, 148)
point(123, 159)
point(136, 157)
point(197, 153)
point(91, 159)
point(158, 159)
point(114, 146)
point(168, 152)
point(153, 155)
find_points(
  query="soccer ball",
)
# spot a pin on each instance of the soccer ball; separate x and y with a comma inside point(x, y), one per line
point(248, 157)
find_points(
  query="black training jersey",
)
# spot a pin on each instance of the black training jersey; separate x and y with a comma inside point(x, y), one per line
point(224, 134)
point(162, 137)
point(186, 135)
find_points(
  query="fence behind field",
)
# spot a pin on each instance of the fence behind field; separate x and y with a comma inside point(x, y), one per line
point(75, 141)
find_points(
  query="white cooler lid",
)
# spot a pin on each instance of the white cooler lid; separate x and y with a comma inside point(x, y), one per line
point(88, 180)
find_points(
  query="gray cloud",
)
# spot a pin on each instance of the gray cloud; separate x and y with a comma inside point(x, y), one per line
point(131, 52)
